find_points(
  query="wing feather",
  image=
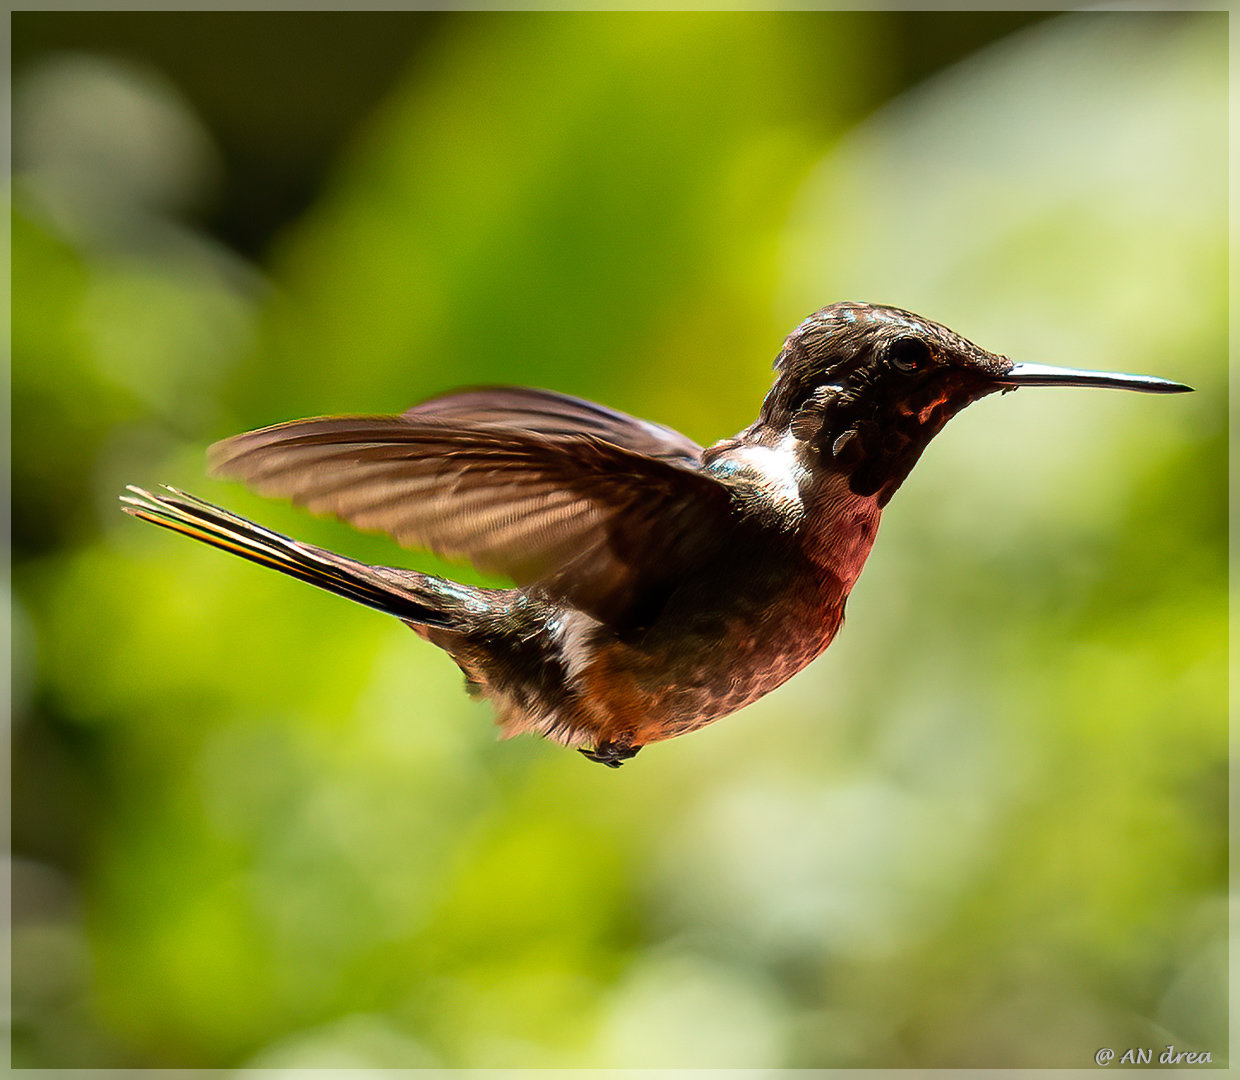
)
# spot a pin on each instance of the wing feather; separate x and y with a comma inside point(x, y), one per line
point(603, 522)
point(546, 412)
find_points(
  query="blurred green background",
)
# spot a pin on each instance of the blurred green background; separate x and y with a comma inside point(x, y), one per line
point(254, 825)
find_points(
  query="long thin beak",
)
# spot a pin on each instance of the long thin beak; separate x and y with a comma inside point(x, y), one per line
point(1043, 375)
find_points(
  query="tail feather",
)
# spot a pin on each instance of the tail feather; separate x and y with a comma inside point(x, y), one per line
point(345, 577)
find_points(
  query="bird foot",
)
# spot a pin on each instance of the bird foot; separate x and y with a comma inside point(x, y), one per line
point(611, 754)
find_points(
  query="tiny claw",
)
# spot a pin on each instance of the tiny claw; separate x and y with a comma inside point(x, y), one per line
point(611, 754)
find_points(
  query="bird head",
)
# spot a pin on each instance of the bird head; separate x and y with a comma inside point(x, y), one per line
point(865, 387)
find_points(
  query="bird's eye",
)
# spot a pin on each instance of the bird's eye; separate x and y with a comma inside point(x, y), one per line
point(909, 354)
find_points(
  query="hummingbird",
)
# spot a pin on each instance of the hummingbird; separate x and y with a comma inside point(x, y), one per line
point(659, 585)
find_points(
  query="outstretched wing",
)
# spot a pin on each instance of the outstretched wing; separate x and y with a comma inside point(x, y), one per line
point(600, 525)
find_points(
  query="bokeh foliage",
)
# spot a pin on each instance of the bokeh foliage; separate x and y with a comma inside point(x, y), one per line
point(256, 826)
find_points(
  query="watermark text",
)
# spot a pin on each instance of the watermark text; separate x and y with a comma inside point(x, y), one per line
point(1145, 1056)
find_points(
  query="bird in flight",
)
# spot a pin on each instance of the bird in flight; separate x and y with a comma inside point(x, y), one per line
point(659, 585)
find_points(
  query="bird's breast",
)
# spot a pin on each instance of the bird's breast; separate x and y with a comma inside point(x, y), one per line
point(839, 528)
point(731, 635)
